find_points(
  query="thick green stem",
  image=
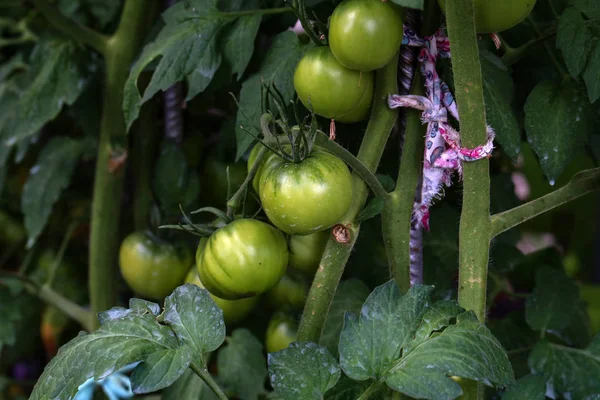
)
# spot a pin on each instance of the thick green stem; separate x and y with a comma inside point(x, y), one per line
point(108, 183)
point(475, 222)
point(208, 379)
point(338, 248)
point(582, 183)
point(72, 29)
point(513, 55)
point(397, 213)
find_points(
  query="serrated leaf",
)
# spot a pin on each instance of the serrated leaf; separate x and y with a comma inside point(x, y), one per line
point(558, 120)
point(498, 90)
point(529, 387)
point(437, 317)
point(349, 296)
point(195, 318)
point(373, 208)
point(573, 39)
point(418, 4)
point(57, 75)
point(303, 371)
point(278, 68)
point(467, 350)
point(242, 365)
point(591, 73)
point(550, 306)
point(115, 345)
point(238, 42)
point(188, 386)
point(47, 179)
point(160, 369)
point(371, 343)
point(571, 372)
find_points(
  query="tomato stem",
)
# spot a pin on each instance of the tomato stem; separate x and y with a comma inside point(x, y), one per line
point(513, 55)
point(208, 379)
point(336, 254)
point(234, 202)
point(75, 31)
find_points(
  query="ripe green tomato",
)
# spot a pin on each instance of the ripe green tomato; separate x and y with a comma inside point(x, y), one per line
point(234, 311)
point(306, 251)
point(334, 91)
point(243, 259)
point(281, 332)
point(365, 34)
point(153, 268)
point(269, 161)
point(309, 196)
point(498, 15)
point(289, 291)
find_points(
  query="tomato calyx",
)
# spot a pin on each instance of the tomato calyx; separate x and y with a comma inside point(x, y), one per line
point(315, 29)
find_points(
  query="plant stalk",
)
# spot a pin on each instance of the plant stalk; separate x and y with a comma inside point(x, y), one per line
point(120, 52)
point(73, 30)
point(338, 250)
point(582, 183)
point(208, 379)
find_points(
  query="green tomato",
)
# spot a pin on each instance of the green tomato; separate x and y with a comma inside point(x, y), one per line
point(365, 35)
point(289, 291)
point(242, 259)
point(590, 293)
point(281, 332)
point(309, 196)
point(234, 311)
point(270, 161)
point(153, 268)
point(498, 15)
point(306, 251)
point(334, 91)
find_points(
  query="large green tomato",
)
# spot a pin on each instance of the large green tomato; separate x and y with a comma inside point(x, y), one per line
point(309, 196)
point(306, 251)
point(233, 310)
point(334, 91)
point(269, 161)
point(281, 332)
point(365, 34)
point(242, 259)
point(153, 268)
point(289, 291)
point(498, 15)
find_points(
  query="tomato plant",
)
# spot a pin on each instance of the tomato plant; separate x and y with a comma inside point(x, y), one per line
point(345, 246)
point(332, 90)
point(152, 267)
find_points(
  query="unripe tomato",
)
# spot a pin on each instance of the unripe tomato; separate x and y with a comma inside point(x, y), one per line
point(590, 293)
point(153, 268)
point(306, 251)
point(498, 15)
point(334, 91)
point(289, 291)
point(365, 34)
point(281, 332)
point(233, 310)
point(269, 161)
point(309, 196)
point(243, 259)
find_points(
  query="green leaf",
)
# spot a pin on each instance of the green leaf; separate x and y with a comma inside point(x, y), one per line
point(467, 350)
point(498, 90)
point(238, 39)
point(278, 68)
point(11, 313)
point(303, 371)
point(195, 318)
point(418, 4)
point(386, 181)
point(171, 177)
point(550, 306)
point(160, 369)
point(188, 386)
point(591, 8)
point(592, 71)
point(558, 120)
point(571, 372)
point(373, 208)
point(102, 11)
point(573, 39)
point(57, 77)
point(242, 365)
point(529, 387)
point(348, 389)
point(349, 296)
point(47, 179)
point(436, 318)
point(369, 345)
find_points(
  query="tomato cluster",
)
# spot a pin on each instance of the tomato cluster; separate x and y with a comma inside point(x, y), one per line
point(337, 81)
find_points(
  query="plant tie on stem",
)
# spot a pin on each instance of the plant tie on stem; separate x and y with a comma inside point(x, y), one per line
point(443, 151)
